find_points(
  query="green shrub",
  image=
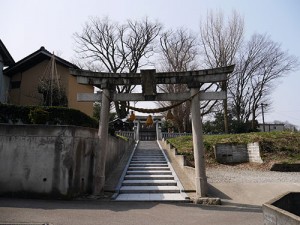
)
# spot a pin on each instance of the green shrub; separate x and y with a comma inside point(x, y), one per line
point(38, 116)
point(45, 115)
point(14, 113)
point(66, 116)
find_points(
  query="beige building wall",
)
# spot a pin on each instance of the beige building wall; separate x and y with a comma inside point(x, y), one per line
point(28, 94)
point(74, 88)
point(14, 95)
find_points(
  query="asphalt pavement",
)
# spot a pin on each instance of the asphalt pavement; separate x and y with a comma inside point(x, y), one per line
point(91, 212)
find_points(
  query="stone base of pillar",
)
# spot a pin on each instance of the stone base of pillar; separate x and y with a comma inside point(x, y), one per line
point(207, 201)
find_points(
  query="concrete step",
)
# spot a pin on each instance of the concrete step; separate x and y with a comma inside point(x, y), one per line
point(148, 177)
point(148, 159)
point(149, 189)
point(149, 183)
point(149, 172)
point(148, 168)
point(171, 197)
point(148, 155)
point(155, 162)
point(139, 154)
point(149, 164)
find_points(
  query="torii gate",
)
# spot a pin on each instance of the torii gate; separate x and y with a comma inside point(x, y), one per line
point(149, 79)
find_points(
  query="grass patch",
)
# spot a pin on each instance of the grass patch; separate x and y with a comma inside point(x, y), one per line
point(275, 146)
point(122, 137)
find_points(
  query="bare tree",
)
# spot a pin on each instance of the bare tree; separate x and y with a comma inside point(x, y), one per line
point(179, 50)
point(220, 40)
point(260, 63)
point(117, 48)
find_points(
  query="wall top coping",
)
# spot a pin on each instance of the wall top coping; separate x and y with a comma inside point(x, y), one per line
point(46, 130)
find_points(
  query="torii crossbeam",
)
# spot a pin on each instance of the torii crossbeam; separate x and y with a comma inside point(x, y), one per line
point(149, 79)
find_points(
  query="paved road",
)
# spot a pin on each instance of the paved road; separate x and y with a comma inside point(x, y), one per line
point(125, 213)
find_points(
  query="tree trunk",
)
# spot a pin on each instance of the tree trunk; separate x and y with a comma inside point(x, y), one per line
point(121, 109)
point(253, 120)
point(225, 105)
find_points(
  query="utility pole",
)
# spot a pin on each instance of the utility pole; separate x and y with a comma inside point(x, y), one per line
point(263, 116)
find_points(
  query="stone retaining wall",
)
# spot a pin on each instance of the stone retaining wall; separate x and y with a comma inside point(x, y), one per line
point(254, 152)
point(52, 160)
point(186, 174)
point(238, 153)
point(283, 167)
point(283, 210)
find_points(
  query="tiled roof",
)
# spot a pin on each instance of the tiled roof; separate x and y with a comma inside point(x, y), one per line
point(33, 59)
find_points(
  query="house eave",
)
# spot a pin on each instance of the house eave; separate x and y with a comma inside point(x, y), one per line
point(7, 58)
point(33, 59)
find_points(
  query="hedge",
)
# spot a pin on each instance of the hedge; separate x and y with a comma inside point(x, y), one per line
point(55, 116)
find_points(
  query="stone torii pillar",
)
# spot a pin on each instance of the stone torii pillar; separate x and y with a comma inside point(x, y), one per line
point(200, 173)
point(100, 156)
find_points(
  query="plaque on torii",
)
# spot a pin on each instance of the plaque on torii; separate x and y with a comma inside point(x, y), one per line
point(148, 79)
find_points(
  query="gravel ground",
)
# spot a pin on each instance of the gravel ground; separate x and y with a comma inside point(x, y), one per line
point(235, 175)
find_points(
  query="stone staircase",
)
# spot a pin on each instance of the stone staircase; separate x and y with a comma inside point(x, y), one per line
point(150, 177)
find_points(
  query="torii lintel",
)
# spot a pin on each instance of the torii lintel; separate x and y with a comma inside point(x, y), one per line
point(188, 77)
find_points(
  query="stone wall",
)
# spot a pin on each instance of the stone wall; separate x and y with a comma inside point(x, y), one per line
point(238, 153)
point(52, 160)
point(186, 174)
point(285, 167)
point(282, 210)
point(254, 152)
point(231, 153)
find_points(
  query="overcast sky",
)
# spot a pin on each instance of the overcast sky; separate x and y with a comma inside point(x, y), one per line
point(26, 25)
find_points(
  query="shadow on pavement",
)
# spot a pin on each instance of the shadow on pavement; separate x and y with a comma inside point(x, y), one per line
point(232, 207)
point(74, 204)
point(116, 206)
point(213, 191)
